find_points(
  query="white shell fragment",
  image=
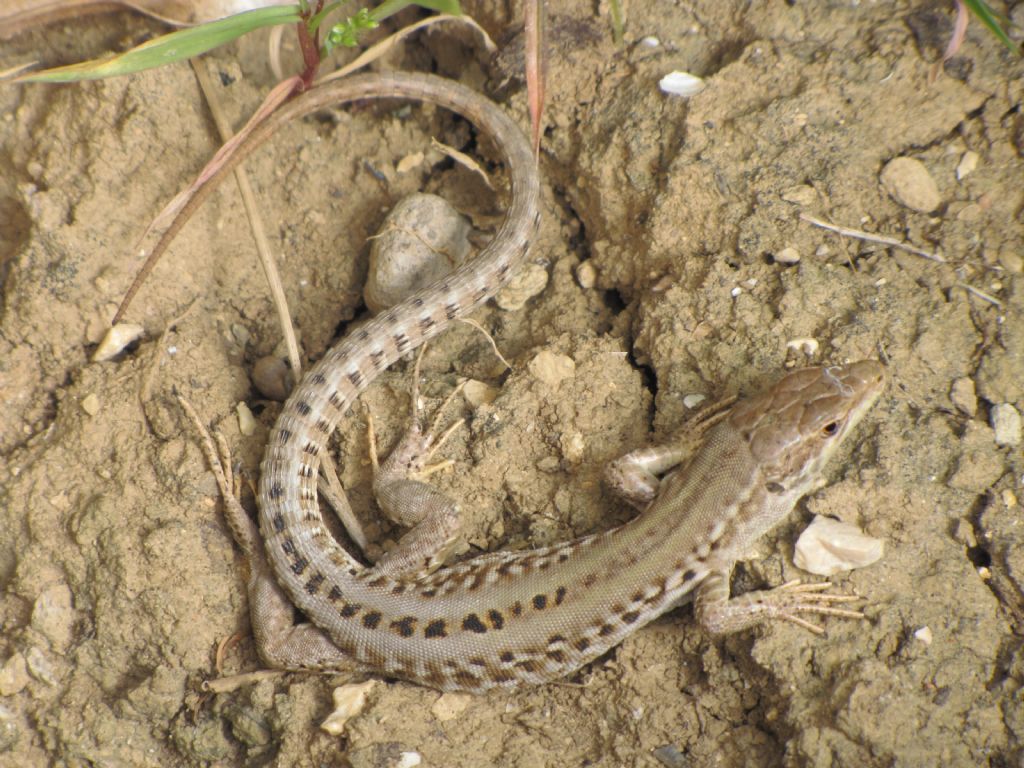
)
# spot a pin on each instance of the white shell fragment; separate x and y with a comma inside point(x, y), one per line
point(349, 701)
point(681, 84)
point(117, 338)
point(827, 547)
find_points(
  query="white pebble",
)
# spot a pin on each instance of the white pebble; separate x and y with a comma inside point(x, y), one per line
point(246, 421)
point(694, 400)
point(788, 255)
point(828, 546)
point(681, 84)
point(924, 634)
point(806, 345)
point(586, 275)
point(349, 701)
point(117, 338)
point(967, 164)
point(90, 404)
point(1006, 424)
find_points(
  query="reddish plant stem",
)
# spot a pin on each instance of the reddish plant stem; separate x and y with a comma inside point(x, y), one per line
point(310, 45)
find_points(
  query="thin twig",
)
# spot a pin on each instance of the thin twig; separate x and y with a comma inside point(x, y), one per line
point(490, 338)
point(255, 223)
point(981, 294)
point(873, 238)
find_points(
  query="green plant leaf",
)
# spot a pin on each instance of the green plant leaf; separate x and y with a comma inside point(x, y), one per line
point(988, 17)
point(177, 46)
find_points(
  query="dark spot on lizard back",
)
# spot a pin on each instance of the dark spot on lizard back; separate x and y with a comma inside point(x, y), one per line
point(371, 620)
point(540, 602)
point(472, 623)
point(435, 629)
point(313, 585)
point(406, 626)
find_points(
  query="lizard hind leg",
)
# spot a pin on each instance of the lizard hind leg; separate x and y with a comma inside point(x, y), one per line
point(400, 487)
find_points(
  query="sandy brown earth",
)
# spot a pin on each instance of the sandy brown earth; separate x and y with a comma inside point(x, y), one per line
point(119, 577)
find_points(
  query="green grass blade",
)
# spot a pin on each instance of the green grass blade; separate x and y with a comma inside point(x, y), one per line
point(981, 9)
point(391, 7)
point(177, 46)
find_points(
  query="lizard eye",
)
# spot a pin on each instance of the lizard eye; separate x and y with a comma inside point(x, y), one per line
point(830, 429)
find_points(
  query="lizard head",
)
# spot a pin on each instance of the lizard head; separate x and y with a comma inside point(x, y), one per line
point(794, 427)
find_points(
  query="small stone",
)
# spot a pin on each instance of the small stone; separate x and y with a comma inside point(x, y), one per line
point(1006, 424)
point(13, 675)
point(240, 333)
point(693, 400)
point(246, 421)
point(910, 183)
point(1011, 262)
point(828, 546)
point(349, 701)
point(450, 705)
point(478, 393)
point(681, 84)
point(573, 446)
point(924, 634)
point(407, 163)
point(53, 616)
point(801, 194)
point(116, 340)
point(39, 666)
point(273, 378)
point(422, 240)
point(788, 255)
point(804, 345)
point(586, 275)
point(90, 404)
point(10, 735)
point(524, 286)
point(967, 163)
point(964, 397)
point(550, 368)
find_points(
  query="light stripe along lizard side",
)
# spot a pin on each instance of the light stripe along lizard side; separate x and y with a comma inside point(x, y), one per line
point(527, 616)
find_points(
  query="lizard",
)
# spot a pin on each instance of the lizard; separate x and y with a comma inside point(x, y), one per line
point(509, 618)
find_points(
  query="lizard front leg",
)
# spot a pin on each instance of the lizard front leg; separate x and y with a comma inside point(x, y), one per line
point(634, 477)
